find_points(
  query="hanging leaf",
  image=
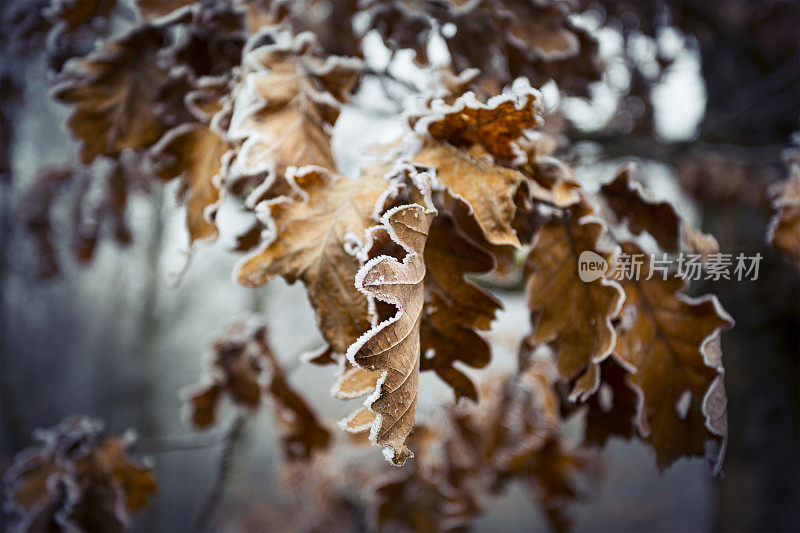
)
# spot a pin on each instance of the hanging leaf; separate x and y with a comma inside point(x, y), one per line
point(631, 202)
point(245, 369)
point(283, 108)
point(392, 348)
point(193, 153)
point(571, 315)
point(672, 347)
point(112, 92)
point(454, 307)
point(315, 235)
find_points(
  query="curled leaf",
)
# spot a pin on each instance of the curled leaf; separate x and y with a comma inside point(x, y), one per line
point(315, 235)
point(392, 348)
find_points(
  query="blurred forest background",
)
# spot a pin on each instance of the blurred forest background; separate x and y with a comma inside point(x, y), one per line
point(705, 95)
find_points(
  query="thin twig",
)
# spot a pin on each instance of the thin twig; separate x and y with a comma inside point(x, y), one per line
point(231, 439)
point(386, 75)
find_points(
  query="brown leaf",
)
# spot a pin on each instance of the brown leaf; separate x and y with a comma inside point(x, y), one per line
point(112, 92)
point(454, 307)
point(193, 153)
point(503, 39)
point(314, 235)
point(571, 315)
point(392, 348)
point(451, 135)
point(496, 125)
point(211, 41)
point(784, 229)
point(613, 410)
point(418, 499)
point(631, 202)
point(301, 433)
point(672, 348)
point(77, 476)
point(237, 370)
point(283, 108)
point(36, 211)
point(246, 369)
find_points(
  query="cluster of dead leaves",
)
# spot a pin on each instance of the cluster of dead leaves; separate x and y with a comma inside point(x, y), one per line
point(77, 478)
point(504, 40)
point(465, 183)
point(386, 257)
point(245, 369)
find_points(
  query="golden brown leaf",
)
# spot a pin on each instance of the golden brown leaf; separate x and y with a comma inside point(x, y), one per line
point(454, 307)
point(496, 125)
point(283, 109)
point(458, 141)
point(392, 348)
point(112, 93)
point(314, 235)
point(631, 202)
point(193, 153)
point(672, 348)
point(572, 315)
point(784, 229)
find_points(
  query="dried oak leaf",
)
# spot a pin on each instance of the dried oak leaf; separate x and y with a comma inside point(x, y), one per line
point(672, 347)
point(613, 411)
point(246, 369)
point(454, 307)
point(392, 347)
point(313, 236)
point(631, 202)
point(283, 108)
point(571, 315)
point(504, 39)
point(237, 370)
point(784, 228)
point(193, 153)
point(513, 434)
point(77, 477)
point(448, 132)
point(112, 92)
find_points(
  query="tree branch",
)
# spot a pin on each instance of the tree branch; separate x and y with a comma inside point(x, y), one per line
point(231, 440)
